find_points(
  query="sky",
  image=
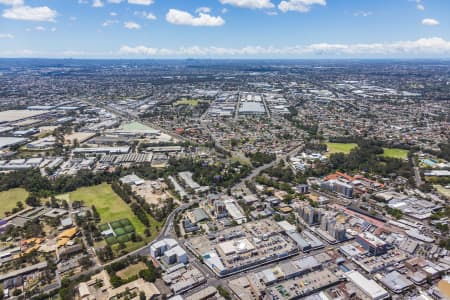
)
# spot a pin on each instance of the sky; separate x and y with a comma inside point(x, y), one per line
point(294, 29)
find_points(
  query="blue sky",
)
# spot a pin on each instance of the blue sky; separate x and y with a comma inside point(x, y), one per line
point(225, 28)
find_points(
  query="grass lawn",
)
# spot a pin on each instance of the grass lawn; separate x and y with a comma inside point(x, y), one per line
point(190, 102)
point(109, 205)
point(9, 198)
point(131, 270)
point(442, 190)
point(340, 147)
point(395, 153)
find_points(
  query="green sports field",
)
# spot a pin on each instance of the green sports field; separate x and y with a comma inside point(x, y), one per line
point(340, 147)
point(395, 153)
point(110, 206)
point(9, 198)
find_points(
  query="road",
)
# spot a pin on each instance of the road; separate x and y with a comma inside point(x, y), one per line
point(417, 176)
point(257, 171)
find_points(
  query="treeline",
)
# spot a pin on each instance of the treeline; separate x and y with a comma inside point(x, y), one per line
point(284, 173)
point(344, 139)
point(218, 174)
point(35, 183)
point(140, 214)
point(261, 158)
point(366, 158)
point(360, 139)
point(284, 186)
point(444, 151)
point(314, 146)
point(125, 192)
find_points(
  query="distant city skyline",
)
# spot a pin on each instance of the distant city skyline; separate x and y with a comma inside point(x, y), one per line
point(276, 29)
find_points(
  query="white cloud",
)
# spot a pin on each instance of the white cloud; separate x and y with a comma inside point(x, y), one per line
point(362, 13)
point(12, 2)
point(139, 50)
point(434, 47)
point(253, 4)
point(6, 36)
point(203, 9)
point(150, 16)
point(425, 47)
point(97, 3)
point(430, 22)
point(113, 14)
point(146, 15)
point(53, 29)
point(138, 2)
point(39, 28)
point(109, 23)
point(27, 13)
point(224, 10)
point(141, 2)
point(420, 6)
point(299, 5)
point(131, 25)
point(180, 17)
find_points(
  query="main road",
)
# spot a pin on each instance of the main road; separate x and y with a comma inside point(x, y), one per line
point(255, 172)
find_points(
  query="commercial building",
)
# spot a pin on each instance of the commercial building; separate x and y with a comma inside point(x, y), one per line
point(234, 211)
point(338, 187)
point(373, 290)
point(18, 115)
point(396, 282)
point(252, 108)
point(175, 255)
point(137, 129)
point(158, 248)
point(309, 214)
point(220, 209)
point(187, 178)
point(198, 215)
point(99, 150)
point(372, 243)
point(184, 278)
point(6, 142)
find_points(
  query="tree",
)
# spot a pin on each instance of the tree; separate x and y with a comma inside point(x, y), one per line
point(149, 274)
point(142, 296)
point(95, 214)
point(85, 262)
point(223, 292)
point(19, 205)
point(32, 200)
